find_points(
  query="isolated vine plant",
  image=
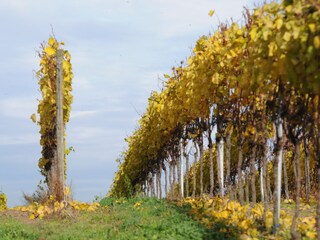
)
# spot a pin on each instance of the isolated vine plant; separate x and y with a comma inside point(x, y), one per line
point(47, 105)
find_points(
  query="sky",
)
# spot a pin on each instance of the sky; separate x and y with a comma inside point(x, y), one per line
point(120, 50)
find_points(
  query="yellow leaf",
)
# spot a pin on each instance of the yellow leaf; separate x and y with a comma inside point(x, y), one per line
point(245, 224)
point(240, 32)
point(269, 219)
point(43, 61)
point(309, 220)
point(312, 27)
point(272, 48)
point(287, 36)
point(253, 33)
point(278, 23)
point(51, 41)
point(66, 66)
point(50, 51)
point(32, 216)
point(286, 220)
point(33, 117)
point(289, 8)
point(257, 212)
point(316, 42)
point(83, 206)
point(223, 214)
point(311, 235)
point(24, 209)
point(205, 221)
point(288, 201)
point(57, 206)
point(67, 191)
point(253, 232)
point(215, 78)
point(265, 35)
point(211, 12)
point(40, 209)
point(244, 237)
point(67, 55)
point(91, 209)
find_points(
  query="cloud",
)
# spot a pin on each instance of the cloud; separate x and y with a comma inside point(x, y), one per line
point(18, 107)
point(18, 5)
point(87, 133)
point(84, 134)
point(19, 139)
point(181, 18)
point(84, 114)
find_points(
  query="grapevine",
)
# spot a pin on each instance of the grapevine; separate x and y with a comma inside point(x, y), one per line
point(259, 86)
point(47, 105)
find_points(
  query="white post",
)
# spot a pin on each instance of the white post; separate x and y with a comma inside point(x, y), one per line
point(181, 172)
point(220, 144)
point(279, 174)
point(261, 184)
point(278, 167)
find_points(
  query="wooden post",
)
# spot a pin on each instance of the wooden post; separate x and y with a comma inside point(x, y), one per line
point(59, 185)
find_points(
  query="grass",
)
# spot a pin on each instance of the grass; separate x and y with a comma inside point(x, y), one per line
point(136, 218)
point(119, 219)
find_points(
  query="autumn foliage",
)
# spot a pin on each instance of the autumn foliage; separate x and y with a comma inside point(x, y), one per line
point(247, 100)
point(47, 108)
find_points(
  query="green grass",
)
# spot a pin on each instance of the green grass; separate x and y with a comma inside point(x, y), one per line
point(120, 219)
point(13, 229)
point(136, 218)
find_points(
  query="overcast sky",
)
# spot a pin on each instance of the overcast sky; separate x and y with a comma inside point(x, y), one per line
point(120, 49)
